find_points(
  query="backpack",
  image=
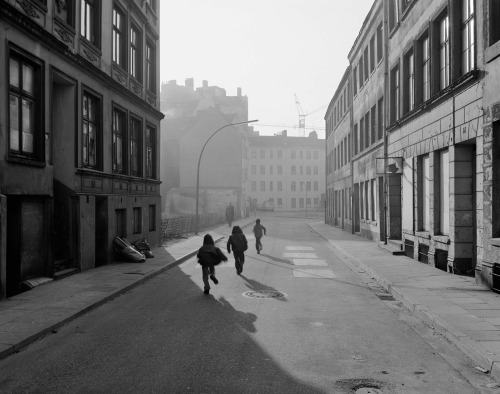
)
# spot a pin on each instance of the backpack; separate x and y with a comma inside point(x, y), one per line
point(239, 242)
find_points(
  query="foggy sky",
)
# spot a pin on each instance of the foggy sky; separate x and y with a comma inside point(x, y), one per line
point(272, 49)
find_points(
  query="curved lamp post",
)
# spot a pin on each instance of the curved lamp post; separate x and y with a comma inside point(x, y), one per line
point(199, 162)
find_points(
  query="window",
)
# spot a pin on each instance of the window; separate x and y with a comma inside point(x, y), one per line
point(280, 154)
point(119, 44)
point(253, 154)
point(495, 181)
point(380, 43)
point(308, 186)
point(360, 68)
point(315, 170)
point(395, 93)
point(373, 199)
point(271, 186)
point(280, 170)
point(494, 21)
point(373, 124)
point(294, 203)
point(91, 130)
point(426, 69)
point(270, 170)
point(293, 186)
point(444, 53)
point(308, 170)
point(262, 154)
point(301, 155)
point(355, 80)
point(315, 155)
point(280, 202)
point(271, 154)
point(293, 154)
point(367, 129)
point(372, 54)
point(254, 186)
point(366, 64)
point(136, 53)
point(468, 36)
point(152, 218)
point(90, 24)
point(151, 4)
point(409, 102)
point(25, 107)
point(355, 139)
point(150, 152)
point(294, 170)
point(280, 186)
point(424, 193)
point(362, 133)
point(262, 186)
point(393, 14)
point(262, 169)
point(367, 206)
point(301, 203)
point(119, 140)
point(444, 191)
point(308, 155)
point(361, 200)
point(380, 118)
point(137, 224)
point(135, 147)
point(316, 184)
point(121, 223)
point(254, 169)
point(150, 67)
point(66, 12)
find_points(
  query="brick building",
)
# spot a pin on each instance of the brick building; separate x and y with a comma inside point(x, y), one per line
point(79, 160)
point(434, 155)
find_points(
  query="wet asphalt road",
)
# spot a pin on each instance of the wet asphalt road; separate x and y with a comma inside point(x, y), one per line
point(329, 333)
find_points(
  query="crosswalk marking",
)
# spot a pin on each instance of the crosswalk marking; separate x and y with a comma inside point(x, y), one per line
point(314, 273)
point(299, 248)
point(300, 255)
point(309, 262)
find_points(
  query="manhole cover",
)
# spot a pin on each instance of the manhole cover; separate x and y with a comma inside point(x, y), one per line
point(264, 294)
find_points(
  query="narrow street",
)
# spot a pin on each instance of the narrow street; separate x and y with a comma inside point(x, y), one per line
point(323, 329)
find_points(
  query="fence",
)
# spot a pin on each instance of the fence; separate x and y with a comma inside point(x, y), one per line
point(181, 225)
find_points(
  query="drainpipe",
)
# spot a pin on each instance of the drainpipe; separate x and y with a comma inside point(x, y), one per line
point(386, 106)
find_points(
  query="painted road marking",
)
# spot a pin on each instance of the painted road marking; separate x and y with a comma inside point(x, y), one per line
point(309, 262)
point(300, 255)
point(314, 273)
point(299, 248)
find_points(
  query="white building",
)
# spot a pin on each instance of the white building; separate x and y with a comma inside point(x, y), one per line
point(287, 173)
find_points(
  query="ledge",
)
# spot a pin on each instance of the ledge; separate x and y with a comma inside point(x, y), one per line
point(423, 234)
point(445, 239)
point(495, 242)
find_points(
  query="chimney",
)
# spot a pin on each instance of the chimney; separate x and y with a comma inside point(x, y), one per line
point(239, 92)
point(205, 83)
point(189, 84)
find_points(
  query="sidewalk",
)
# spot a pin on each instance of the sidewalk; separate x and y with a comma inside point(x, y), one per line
point(464, 312)
point(29, 316)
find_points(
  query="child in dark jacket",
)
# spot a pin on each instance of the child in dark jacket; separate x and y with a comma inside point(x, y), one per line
point(239, 243)
point(258, 230)
point(209, 256)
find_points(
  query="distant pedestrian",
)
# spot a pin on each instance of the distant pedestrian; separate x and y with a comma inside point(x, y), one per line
point(230, 214)
point(259, 230)
point(238, 242)
point(209, 256)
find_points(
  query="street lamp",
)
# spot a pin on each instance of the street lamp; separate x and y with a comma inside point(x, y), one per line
point(199, 162)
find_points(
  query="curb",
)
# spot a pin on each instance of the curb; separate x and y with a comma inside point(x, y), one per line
point(441, 326)
point(14, 348)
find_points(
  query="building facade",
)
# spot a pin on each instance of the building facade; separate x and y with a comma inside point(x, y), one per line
point(435, 154)
point(286, 173)
point(191, 117)
point(79, 160)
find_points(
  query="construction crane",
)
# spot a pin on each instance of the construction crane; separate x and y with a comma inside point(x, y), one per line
point(302, 116)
